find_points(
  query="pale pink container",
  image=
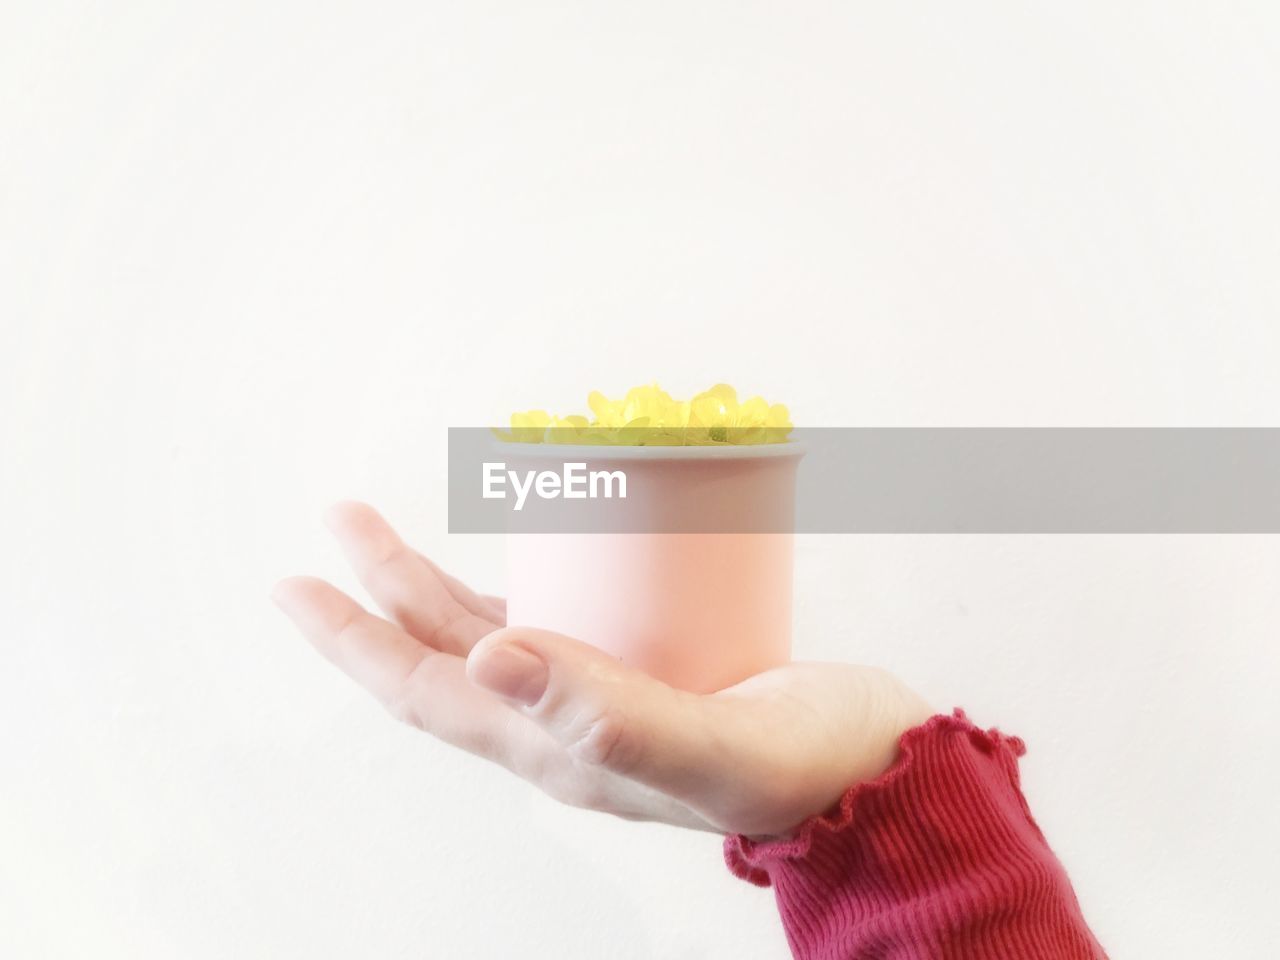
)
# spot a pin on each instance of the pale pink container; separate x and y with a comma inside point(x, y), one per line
point(700, 611)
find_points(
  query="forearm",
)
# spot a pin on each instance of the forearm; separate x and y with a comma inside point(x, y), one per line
point(937, 858)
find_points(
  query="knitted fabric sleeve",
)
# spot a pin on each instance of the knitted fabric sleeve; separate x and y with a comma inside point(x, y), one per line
point(937, 858)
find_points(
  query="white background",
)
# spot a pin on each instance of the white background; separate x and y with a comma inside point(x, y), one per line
point(255, 257)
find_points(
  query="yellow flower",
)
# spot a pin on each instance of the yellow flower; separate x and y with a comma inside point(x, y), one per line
point(648, 416)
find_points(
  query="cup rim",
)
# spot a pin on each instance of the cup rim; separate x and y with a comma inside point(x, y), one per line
point(609, 451)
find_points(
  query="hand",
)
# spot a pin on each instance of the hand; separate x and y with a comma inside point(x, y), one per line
point(758, 758)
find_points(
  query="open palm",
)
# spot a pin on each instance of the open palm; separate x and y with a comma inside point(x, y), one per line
point(757, 758)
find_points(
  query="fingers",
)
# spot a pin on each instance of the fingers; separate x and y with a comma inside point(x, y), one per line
point(371, 651)
point(605, 714)
point(411, 591)
point(429, 689)
point(491, 609)
point(417, 684)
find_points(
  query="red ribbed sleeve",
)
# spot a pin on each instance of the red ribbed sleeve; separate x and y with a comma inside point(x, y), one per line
point(937, 858)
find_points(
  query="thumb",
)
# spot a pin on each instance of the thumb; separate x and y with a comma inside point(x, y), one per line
point(603, 713)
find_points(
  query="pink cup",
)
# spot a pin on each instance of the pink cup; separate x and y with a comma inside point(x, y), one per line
point(699, 611)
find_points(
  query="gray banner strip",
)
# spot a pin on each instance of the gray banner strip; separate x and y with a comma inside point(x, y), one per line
point(888, 480)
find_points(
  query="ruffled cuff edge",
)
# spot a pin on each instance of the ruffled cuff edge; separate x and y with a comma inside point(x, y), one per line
point(750, 859)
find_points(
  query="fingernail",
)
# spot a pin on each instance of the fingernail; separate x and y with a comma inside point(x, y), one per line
point(512, 672)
